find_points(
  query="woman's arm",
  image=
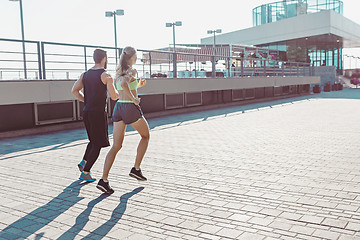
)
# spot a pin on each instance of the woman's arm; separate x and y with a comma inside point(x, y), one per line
point(142, 82)
point(78, 85)
point(133, 73)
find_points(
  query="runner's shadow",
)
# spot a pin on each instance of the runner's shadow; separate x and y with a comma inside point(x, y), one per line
point(117, 214)
point(45, 214)
point(82, 219)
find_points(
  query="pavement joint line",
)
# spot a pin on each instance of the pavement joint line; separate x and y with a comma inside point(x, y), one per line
point(303, 204)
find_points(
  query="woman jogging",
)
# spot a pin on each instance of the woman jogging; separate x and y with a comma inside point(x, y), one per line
point(126, 111)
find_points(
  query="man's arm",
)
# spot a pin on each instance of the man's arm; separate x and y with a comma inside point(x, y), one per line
point(78, 85)
point(109, 81)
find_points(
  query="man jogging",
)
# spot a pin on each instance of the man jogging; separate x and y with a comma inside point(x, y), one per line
point(96, 82)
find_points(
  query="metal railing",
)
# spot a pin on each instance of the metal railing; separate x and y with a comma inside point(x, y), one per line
point(50, 60)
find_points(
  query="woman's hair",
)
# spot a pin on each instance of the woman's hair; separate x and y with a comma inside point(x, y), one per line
point(123, 66)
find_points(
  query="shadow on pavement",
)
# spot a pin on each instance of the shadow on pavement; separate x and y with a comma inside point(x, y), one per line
point(82, 219)
point(116, 215)
point(50, 141)
point(347, 93)
point(45, 214)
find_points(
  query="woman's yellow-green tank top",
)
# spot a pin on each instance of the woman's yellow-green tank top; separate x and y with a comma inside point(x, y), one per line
point(132, 85)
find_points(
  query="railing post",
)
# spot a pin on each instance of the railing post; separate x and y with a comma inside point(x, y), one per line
point(283, 68)
point(39, 59)
point(264, 61)
point(254, 67)
point(229, 67)
point(43, 60)
point(174, 66)
point(213, 66)
point(150, 62)
point(85, 58)
point(195, 66)
point(242, 67)
point(304, 70)
point(297, 71)
point(24, 57)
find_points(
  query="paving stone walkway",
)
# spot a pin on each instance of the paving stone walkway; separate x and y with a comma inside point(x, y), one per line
point(286, 169)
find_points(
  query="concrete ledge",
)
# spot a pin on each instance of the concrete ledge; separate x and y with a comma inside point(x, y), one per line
point(79, 124)
point(55, 103)
point(171, 86)
point(42, 91)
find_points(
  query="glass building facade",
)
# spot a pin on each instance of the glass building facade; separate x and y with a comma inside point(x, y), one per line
point(321, 50)
point(276, 11)
point(316, 54)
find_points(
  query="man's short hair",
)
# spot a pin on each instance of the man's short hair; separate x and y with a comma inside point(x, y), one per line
point(99, 54)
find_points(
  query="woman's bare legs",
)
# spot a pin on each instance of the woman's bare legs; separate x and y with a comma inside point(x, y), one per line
point(118, 138)
point(143, 129)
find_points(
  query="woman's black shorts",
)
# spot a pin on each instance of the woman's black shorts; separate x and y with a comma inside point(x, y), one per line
point(127, 112)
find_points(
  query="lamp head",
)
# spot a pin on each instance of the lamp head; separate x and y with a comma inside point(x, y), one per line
point(120, 12)
point(218, 30)
point(169, 24)
point(178, 23)
point(109, 14)
point(209, 31)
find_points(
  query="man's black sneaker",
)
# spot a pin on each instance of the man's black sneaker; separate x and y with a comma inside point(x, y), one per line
point(137, 174)
point(105, 187)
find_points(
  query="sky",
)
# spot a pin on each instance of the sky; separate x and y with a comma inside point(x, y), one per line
point(142, 26)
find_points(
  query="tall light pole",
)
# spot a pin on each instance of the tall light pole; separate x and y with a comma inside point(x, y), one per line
point(119, 12)
point(22, 35)
point(177, 23)
point(214, 46)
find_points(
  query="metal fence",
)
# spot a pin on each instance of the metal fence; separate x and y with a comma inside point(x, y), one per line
point(51, 61)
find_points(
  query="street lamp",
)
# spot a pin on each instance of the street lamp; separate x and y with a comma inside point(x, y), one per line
point(178, 24)
point(119, 12)
point(22, 35)
point(214, 46)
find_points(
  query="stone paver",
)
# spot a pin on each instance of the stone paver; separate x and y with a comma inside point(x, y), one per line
point(286, 169)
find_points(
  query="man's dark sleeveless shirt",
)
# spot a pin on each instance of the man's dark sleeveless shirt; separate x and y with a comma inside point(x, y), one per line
point(94, 90)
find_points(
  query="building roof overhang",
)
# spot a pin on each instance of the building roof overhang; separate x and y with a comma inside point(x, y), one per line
point(303, 26)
